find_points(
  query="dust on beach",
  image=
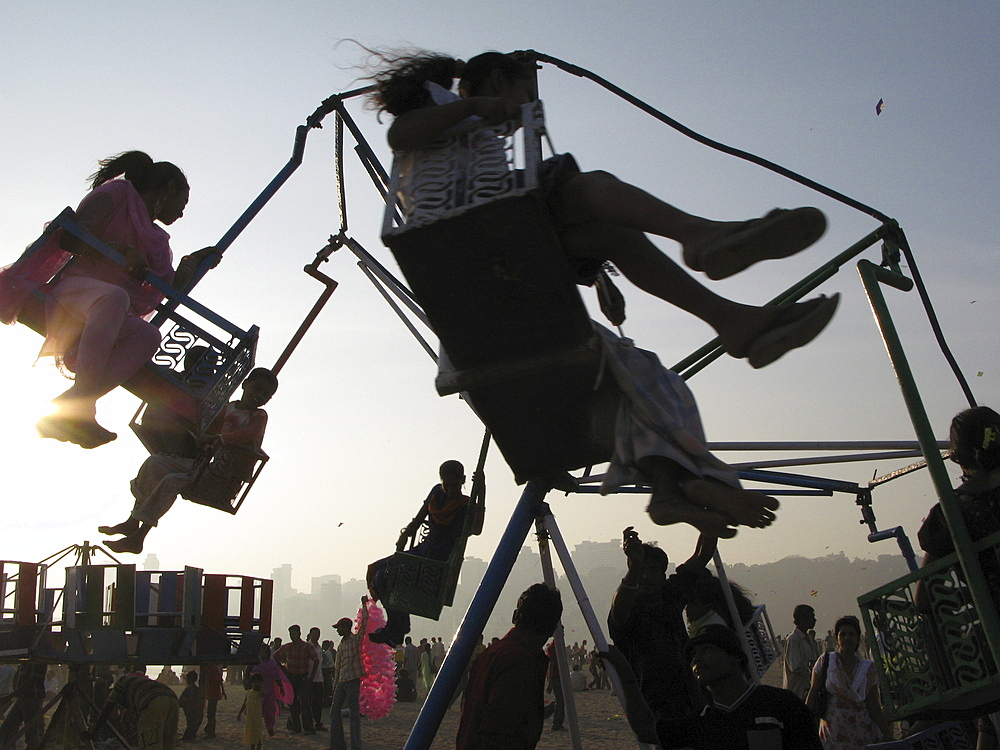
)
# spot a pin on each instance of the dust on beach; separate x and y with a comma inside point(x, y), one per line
point(602, 725)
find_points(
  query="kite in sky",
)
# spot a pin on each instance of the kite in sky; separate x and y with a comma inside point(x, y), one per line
point(880, 107)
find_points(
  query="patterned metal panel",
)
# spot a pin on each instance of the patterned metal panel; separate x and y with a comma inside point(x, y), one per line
point(933, 659)
point(759, 634)
point(417, 585)
point(948, 736)
point(463, 170)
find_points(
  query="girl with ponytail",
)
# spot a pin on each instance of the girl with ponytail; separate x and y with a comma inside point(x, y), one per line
point(601, 219)
point(95, 313)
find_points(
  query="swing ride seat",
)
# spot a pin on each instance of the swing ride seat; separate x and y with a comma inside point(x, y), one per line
point(195, 397)
point(223, 477)
point(937, 664)
point(421, 586)
point(764, 646)
point(472, 236)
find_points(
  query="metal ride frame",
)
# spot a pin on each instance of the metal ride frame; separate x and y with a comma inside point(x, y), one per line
point(113, 614)
point(887, 611)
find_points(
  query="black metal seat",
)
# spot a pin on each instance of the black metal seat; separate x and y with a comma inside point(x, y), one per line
point(479, 252)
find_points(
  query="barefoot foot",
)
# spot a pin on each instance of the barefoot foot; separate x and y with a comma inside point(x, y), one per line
point(132, 545)
point(742, 506)
point(665, 513)
point(127, 528)
point(83, 432)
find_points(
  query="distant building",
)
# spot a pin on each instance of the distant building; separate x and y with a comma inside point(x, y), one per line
point(589, 555)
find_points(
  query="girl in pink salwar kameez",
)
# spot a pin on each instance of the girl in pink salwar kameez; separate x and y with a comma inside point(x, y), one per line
point(276, 687)
point(95, 312)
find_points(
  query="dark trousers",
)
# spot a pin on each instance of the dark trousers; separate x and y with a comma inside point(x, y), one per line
point(558, 710)
point(345, 695)
point(193, 716)
point(27, 711)
point(210, 709)
point(301, 717)
point(316, 703)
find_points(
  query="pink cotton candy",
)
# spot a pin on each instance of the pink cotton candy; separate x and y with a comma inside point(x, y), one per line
point(378, 686)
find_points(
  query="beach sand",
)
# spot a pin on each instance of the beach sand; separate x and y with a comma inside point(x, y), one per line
point(602, 726)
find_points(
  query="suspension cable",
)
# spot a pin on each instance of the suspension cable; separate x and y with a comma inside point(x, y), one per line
point(795, 177)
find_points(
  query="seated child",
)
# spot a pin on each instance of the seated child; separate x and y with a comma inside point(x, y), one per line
point(406, 688)
point(444, 513)
point(163, 477)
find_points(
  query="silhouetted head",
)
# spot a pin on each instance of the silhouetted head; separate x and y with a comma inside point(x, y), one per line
point(161, 184)
point(975, 440)
point(399, 87)
point(258, 387)
point(510, 76)
point(715, 653)
point(709, 595)
point(452, 475)
point(538, 610)
point(804, 617)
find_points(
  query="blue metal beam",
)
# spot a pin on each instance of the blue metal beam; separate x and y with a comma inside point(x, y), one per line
point(450, 674)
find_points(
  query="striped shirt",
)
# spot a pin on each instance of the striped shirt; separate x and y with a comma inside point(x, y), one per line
point(348, 664)
point(297, 656)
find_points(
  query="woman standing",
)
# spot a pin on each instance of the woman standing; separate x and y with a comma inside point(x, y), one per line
point(853, 717)
point(426, 673)
point(95, 312)
point(276, 686)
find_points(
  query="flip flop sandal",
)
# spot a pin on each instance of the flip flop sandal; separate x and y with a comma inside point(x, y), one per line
point(794, 326)
point(779, 234)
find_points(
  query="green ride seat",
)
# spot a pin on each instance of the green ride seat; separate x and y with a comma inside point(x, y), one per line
point(421, 586)
point(937, 664)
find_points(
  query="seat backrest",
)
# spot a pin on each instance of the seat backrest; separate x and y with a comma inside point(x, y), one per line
point(482, 258)
point(219, 478)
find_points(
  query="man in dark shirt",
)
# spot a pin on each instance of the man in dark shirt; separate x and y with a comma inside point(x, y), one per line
point(646, 623)
point(742, 715)
point(503, 705)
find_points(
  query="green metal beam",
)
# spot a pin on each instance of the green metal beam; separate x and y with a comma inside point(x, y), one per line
point(872, 276)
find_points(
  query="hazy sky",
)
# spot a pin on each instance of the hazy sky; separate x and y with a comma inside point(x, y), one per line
point(357, 430)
